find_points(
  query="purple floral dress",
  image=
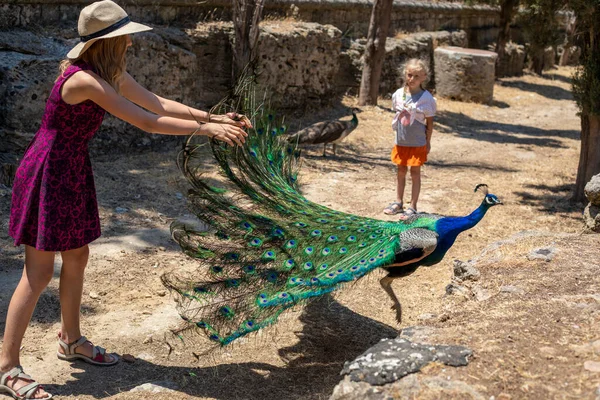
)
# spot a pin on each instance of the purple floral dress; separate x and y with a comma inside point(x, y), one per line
point(54, 204)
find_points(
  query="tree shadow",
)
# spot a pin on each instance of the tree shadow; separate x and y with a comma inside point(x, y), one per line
point(499, 104)
point(557, 77)
point(332, 163)
point(549, 91)
point(554, 199)
point(462, 125)
point(332, 334)
point(464, 165)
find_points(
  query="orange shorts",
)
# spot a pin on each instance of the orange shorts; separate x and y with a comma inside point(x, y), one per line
point(409, 156)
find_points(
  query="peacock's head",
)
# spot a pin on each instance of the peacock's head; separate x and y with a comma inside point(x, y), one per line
point(489, 199)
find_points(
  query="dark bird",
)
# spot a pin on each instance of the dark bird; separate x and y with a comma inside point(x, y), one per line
point(269, 248)
point(326, 132)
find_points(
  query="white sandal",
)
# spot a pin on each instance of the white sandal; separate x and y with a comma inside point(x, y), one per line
point(98, 353)
point(25, 392)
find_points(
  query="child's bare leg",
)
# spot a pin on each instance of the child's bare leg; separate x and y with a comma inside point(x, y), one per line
point(401, 183)
point(415, 176)
point(39, 267)
point(71, 289)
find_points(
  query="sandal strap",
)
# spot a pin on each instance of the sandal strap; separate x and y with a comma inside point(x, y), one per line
point(69, 348)
point(98, 350)
point(28, 390)
point(15, 373)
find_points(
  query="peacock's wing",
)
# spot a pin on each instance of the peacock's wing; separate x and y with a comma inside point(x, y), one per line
point(268, 247)
point(309, 135)
point(415, 245)
point(331, 131)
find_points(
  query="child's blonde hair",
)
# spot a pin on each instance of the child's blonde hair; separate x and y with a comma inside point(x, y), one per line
point(107, 56)
point(419, 65)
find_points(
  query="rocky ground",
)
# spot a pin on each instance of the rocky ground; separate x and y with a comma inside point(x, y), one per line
point(532, 324)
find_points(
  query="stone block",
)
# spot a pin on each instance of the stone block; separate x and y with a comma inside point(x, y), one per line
point(513, 62)
point(465, 74)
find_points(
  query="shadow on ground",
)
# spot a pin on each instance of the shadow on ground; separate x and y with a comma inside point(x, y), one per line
point(332, 334)
point(550, 199)
point(549, 91)
point(495, 132)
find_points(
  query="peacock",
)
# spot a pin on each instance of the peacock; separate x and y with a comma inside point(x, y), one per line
point(269, 248)
point(333, 131)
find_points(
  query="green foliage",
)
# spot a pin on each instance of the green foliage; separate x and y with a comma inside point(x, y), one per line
point(586, 81)
point(539, 20)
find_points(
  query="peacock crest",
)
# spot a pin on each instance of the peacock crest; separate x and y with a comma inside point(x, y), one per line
point(268, 247)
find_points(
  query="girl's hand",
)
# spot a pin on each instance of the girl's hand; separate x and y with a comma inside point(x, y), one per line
point(226, 133)
point(428, 147)
point(232, 119)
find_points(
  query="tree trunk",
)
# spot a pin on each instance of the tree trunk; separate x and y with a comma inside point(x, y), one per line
point(247, 15)
point(569, 42)
point(586, 87)
point(507, 10)
point(375, 51)
point(589, 157)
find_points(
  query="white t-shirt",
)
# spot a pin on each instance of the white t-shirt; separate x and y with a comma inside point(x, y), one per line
point(419, 106)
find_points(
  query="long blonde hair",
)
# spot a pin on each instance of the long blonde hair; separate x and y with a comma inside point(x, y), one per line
point(107, 56)
point(419, 65)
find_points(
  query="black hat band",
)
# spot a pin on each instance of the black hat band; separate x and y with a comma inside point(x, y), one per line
point(107, 30)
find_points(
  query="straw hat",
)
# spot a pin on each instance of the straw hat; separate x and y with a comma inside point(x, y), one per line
point(101, 20)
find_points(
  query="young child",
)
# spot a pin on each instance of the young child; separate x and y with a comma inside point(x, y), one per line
point(54, 205)
point(413, 126)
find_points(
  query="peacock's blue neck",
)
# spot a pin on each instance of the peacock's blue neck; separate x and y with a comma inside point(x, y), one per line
point(450, 227)
point(453, 226)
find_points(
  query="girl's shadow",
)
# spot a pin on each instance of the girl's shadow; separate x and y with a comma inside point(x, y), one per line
point(332, 334)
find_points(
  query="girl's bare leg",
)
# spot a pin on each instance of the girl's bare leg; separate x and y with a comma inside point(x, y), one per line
point(415, 175)
point(71, 289)
point(39, 267)
point(401, 183)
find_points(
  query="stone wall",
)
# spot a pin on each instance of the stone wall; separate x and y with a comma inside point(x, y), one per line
point(349, 16)
point(299, 62)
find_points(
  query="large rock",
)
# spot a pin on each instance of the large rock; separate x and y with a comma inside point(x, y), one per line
point(592, 190)
point(591, 214)
point(28, 68)
point(298, 62)
point(513, 62)
point(380, 370)
point(465, 74)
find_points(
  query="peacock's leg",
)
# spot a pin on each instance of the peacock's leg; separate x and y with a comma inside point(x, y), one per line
point(386, 284)
point(324, 149)
point(334, 147)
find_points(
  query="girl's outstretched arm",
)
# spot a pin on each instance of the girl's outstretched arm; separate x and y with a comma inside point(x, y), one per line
point(86, 85)
point(170, 108)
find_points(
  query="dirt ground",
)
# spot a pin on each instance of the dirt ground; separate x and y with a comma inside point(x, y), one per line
point(525, 146)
